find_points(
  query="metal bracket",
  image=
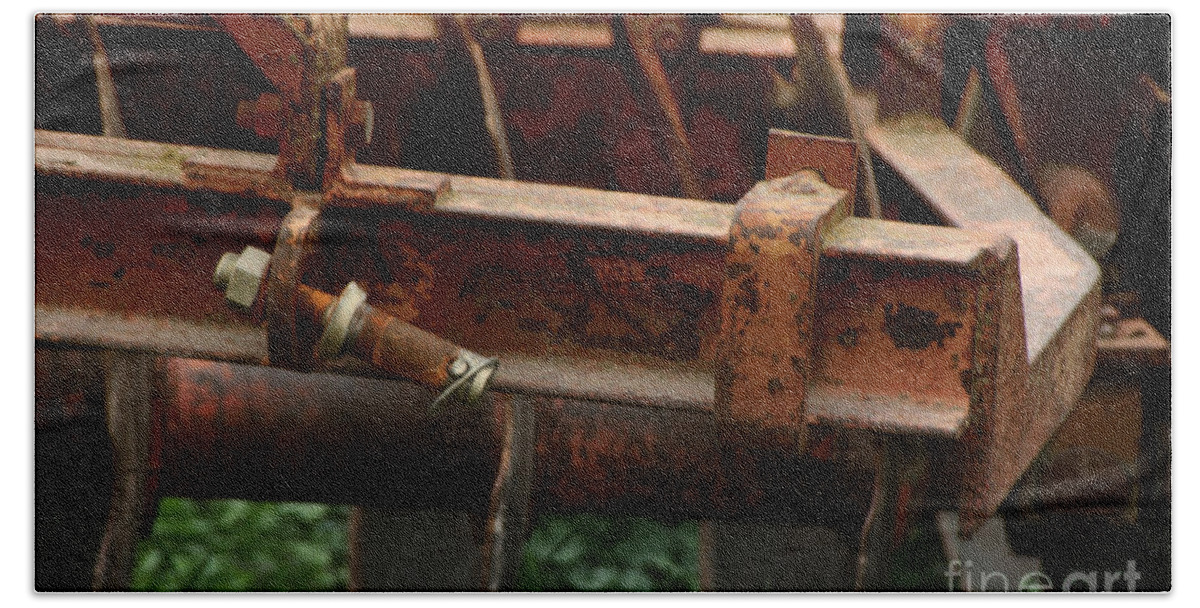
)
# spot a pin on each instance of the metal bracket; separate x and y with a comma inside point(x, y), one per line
point(764, 358)
point(289, 345)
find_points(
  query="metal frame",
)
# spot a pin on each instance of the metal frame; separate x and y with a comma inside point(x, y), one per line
point(622, 322)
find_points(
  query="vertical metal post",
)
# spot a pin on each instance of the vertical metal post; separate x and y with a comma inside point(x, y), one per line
point(127, 402)
point(508, 516)
point(433, 550)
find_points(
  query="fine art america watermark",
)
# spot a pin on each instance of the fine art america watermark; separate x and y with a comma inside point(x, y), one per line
point(1094, 580)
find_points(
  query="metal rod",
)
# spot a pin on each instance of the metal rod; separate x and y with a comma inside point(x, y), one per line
point(106, 87)
point(492, 115)
point(805, 34)
point(127, 396)
point(508, 511)
point(865, 562)
point(638, 30)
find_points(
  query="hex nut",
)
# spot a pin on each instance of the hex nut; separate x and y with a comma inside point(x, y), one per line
point(241, 275)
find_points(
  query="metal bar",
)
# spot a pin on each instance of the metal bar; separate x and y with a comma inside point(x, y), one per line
point(508, 521)
point(764, 361)
point(157, 165)
point(734, 36)
point(128, 391)
point(639, 32)
point(1051, 320)
point(697, 257)
point(1000, 75)
point(106, 88)
point(493, 116)
point(655, 386)
point(843, 98)
point(603, 267)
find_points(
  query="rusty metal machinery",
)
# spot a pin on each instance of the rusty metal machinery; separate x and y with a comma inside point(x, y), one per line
point(679, 311)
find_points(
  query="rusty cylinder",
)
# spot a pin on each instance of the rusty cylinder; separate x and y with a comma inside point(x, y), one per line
point(260, 433)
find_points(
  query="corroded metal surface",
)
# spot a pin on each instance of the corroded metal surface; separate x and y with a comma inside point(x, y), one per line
point(1043, 314)
point(956, 331)
point(129, 389)
point(603, 268)
point(835, 158)
point(252, 432)
point(641, 326)
point(290, 335)
point(300, 56)
point(764, 358)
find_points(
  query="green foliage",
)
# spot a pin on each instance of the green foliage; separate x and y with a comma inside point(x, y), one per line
point(590, 553)
point(918, 563)
point(235, 545)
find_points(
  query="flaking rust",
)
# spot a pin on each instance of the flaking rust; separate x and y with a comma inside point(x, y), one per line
point(676, 350)
point(764, 360)
point(915, 329)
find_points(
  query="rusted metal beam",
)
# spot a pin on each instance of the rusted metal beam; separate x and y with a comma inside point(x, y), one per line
point(657, 218)
point(764, 36)
point(913, 304)
point(647, 384)
point(1050, 328)
point(157, 165)
point(106, 89)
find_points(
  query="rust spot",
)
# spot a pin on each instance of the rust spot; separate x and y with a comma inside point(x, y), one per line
point(797, 238)
point(849, 336)
point(747, 295)
point(767, 231)
point(912, 328)
point(101, 249)
point(737, 269)
point(967, 377)
point(774, 385)
point(801, 319)
point(798, 365)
